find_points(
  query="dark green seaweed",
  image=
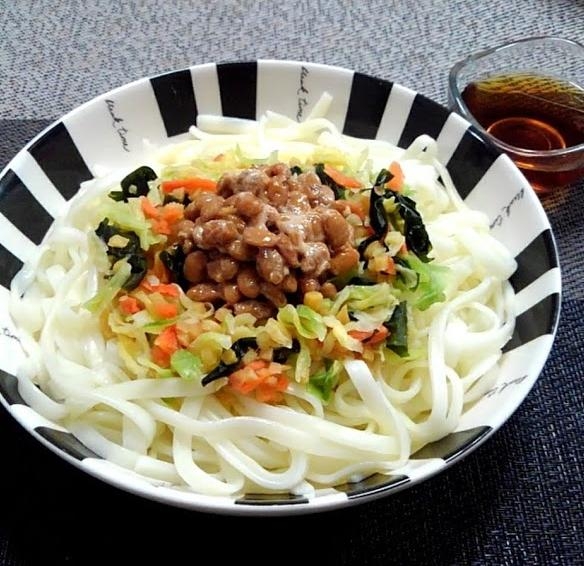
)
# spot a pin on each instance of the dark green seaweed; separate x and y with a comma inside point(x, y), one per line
point(131, 252)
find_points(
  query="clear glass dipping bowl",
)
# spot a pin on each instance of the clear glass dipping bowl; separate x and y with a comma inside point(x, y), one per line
point(530, 69)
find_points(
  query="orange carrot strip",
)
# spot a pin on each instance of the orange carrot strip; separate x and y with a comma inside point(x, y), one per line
point(129, 305)
point(260, 378)
point(360, 335)
point(149, 210)
point(397, 181)
point(189, 184)
point(378, 336)
point(341, 178)
point(160, 357)
point(257, 364)
point(244, 381)
point(160, 226)
point(167, 340)
point(166, 310)
point(282, 383)
point(390, 267)
point(168, 289)
point(146, 285)
point(172, 212)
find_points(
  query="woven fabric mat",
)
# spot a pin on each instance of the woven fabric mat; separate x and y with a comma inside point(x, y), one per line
point(518, 499)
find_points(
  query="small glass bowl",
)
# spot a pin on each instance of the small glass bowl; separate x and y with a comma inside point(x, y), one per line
point(527, 97)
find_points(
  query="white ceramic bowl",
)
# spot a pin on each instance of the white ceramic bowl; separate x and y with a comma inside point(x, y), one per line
point(109, 131)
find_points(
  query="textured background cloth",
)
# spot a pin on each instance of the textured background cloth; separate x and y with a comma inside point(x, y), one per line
point(518, 499)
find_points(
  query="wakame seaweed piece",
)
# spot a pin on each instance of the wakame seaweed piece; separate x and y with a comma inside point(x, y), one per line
point(280, 355)
point(325, 179)
point(295, 170)
point(117, 196)
point(365, 244)
point(174, 260)
point(139, 267)
point(360, 280)
point(384, 176)
point(168, 198)
point(397, 341)
point(131, 251)
point(135, 184)
point(239, 348)
point(415, 233)
point(377, 214)
point(219, 371)
point(417, 239)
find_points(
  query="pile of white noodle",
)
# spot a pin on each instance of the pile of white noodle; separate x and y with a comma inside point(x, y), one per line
point(74, 375)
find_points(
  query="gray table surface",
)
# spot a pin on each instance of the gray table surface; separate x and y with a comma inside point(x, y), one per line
point(516, 500)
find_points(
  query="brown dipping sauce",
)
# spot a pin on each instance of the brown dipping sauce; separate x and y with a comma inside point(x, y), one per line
point(533, 112)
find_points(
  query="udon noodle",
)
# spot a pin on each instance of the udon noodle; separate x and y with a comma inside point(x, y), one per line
point(344, 402)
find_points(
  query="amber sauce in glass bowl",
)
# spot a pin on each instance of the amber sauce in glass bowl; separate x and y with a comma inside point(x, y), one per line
point(531, 112)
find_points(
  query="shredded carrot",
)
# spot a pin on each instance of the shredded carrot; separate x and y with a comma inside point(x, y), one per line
point(160, 226)
point(166, 310)
point(146, 284)
point(190, 184)
point(168, 289)
point(262, 378)
point(167, 339)
point(257, 365)
point(165, 344)
point(390, 267)
point(341, 178)
point(371, 337)
point(129, 305)
point(160, 357)
point(245, 380)
point(397, 181)
point(378, 336)
point(149, 210)
point(172, 212)
point(360, 335)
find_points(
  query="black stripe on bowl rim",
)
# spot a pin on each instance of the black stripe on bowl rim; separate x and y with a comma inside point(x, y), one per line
point(471, 159)
point(538, 257)
point(539, 320)
point(367, 104)
point(270, 499)
point(425, 117)
point(11, 265)
point(9, 389)
point(58, 156)
point(176, 100)
point(238, 89)
point(452, 445)
point(17, 203)
point(373, 484)
point(66, 442)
